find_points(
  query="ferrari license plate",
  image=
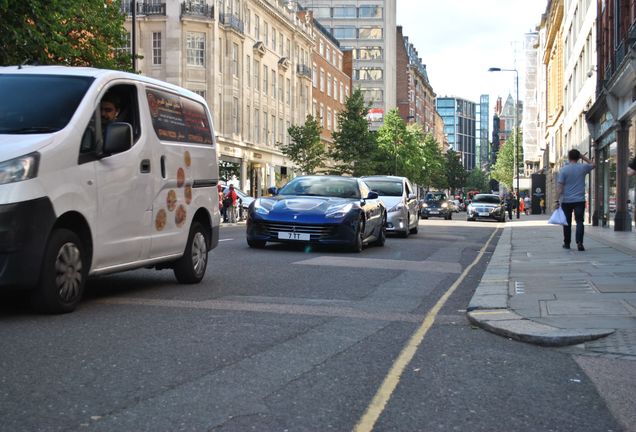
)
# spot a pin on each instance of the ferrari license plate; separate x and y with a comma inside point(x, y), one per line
point(293, 236)
point(433, 212)
point(483, 213)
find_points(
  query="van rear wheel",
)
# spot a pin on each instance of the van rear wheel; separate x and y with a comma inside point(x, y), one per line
point(190, 268)
point(63, 274)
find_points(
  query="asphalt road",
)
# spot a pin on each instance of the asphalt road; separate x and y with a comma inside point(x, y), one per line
point(294, 339)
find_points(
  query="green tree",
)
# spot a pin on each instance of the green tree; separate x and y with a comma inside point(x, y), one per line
point(504, 169)
point(434, 167)
point(396, 146)
point(354, 145)
point(67, 32)
point(455, 172)
point(305, 148)
point(478, 180)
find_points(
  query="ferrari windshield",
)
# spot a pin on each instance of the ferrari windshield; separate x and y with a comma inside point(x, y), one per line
point(340, 187)
point(32, 104)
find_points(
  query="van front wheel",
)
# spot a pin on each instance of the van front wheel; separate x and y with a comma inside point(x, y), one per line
point(63, 274)
point(190, 268)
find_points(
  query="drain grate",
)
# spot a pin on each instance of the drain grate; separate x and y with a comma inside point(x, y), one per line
point(622, 342)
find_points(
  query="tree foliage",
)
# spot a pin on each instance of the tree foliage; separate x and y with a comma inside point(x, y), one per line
point(305, 148)
point(503, 170)
point(434, 167)
point(354, 145)
point(478, 180)
point(455, 173)
point(66, 32)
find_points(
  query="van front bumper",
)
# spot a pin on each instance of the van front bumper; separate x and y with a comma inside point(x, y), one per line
point(24, 228)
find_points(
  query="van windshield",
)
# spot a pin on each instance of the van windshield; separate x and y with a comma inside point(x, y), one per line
point(32, 104)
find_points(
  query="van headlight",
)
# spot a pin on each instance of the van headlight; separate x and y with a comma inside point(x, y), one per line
point(19, 169)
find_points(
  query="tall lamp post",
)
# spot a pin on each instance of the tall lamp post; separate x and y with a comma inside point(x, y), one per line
point(515, 130)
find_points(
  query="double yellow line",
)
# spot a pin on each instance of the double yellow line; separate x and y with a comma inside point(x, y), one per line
point(384, 393)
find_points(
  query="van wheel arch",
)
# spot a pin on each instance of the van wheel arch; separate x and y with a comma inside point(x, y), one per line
point(74, 221)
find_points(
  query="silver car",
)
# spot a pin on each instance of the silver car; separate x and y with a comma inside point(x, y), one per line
point(398, 196)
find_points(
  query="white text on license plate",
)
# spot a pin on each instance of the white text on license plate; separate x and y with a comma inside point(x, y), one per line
point(293, 236)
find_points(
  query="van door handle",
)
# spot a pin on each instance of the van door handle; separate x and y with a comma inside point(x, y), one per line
point(162, 163)
point(144, 167)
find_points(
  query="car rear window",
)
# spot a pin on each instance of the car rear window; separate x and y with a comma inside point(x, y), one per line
point(34, 103)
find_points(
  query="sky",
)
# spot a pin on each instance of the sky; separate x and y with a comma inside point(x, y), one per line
point(458, 40)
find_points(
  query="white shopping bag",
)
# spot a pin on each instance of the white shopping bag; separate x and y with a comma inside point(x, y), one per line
point(558, 217)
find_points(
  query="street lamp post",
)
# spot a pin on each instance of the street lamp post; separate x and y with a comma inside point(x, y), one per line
point(515, 130)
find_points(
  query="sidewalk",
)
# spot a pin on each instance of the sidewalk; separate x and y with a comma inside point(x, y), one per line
point(535, 291)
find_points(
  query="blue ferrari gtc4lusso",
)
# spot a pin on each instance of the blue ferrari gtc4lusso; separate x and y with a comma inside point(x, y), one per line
point(325, 210)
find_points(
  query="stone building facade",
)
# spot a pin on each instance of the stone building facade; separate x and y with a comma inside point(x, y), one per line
point(250, 59)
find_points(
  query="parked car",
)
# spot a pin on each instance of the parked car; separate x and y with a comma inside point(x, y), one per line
point(325, 210)
point(486, 206)
point(435, 204)
point(402, 207)
point(244, 201)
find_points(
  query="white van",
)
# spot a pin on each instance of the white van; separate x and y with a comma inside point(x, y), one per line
point(79, 197)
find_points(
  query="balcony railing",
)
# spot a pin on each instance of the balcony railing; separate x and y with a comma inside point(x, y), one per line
point(198, 10)
point(304, 70)
point(232, 21)
point(144, 8)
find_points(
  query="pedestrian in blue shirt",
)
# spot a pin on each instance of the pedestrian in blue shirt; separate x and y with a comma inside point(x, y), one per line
point(571, 191)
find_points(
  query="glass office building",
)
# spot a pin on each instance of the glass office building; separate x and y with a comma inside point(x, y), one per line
point(368, 29)
point(460, 121)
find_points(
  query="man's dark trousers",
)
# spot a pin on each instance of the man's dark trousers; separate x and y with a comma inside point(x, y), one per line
point(579, 211)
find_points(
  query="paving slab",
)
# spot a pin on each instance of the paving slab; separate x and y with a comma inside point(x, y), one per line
point(549, 296)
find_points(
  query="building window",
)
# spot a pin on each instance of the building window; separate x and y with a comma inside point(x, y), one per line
point(323, 120)
point(272, 141)
point(127, 48)
point(235, 54)
point(288, 91)
point(248, 71)
point(195, 48)
point(370, 33)
point(257, 75)
point(329, 118)
point(265, 128)
point(314, 76)
point(266, 33)
point(346, 32)
point(249, 122)
point(342, 96)
point(369, 74)
point(281, 92)
point(235, 115)
point(329, 85)
point(368, 53)
point(156, 48)
point(322, 80)
point(273, 84)
point(265, 80)
point(257, 126)
point(370, 12)
point(344, 12)
point(257, 27)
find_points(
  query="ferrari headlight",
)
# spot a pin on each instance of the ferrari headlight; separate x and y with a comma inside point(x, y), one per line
point(424, 205)
point(339, 210)
point(444, 205)
point(261, 207)
point(19, 169)
point(398, 207)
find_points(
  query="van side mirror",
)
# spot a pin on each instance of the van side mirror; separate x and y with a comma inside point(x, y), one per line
point(412, 196)
point(118, 138)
